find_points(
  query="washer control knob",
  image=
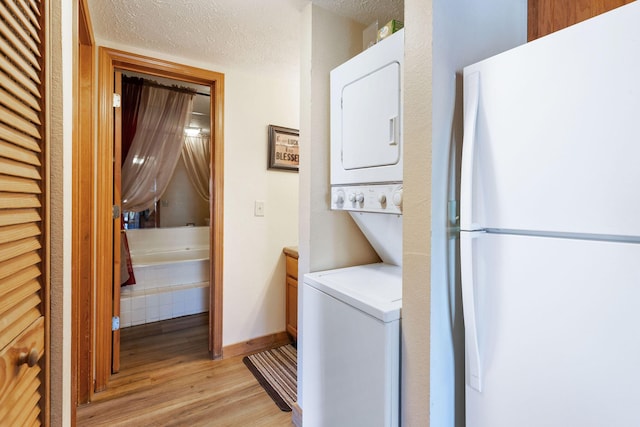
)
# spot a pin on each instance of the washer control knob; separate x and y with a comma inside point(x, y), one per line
point(352, 197)
point(382, 199)
point(360, 197)
point(339, 198)
point(397, 198)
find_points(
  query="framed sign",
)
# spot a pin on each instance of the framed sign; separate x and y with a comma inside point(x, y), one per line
point(283, 148)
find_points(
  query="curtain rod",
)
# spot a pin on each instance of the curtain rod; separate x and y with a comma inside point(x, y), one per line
point(170, 87)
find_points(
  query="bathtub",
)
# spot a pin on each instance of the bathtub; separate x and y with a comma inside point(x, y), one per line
point(171, 266)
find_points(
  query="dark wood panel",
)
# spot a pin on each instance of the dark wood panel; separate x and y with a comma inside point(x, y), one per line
point(548, 16)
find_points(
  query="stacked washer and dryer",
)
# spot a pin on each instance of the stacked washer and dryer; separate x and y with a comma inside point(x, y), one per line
point(351, 316)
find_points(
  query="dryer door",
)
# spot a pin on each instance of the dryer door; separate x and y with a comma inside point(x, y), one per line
point(366, 115)
point(371, 119)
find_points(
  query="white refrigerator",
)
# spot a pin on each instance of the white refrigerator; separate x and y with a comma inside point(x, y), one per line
point(550, 220)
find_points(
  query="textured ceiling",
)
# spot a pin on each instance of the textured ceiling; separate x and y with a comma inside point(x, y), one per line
point(256, 35)
point(365, 11)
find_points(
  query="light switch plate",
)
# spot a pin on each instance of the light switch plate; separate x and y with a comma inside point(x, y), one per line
point(258, 209)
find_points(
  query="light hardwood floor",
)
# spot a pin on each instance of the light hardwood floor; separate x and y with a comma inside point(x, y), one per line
point(168, 380)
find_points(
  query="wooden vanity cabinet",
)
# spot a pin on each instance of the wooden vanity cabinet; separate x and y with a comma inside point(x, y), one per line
point(291, 291)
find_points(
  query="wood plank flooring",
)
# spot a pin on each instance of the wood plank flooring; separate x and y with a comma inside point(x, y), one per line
point(168, 380)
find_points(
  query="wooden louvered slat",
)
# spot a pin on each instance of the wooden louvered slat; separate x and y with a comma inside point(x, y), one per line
point(34, 7)
point(34, 419)
point(14, 233)
point(28, 398)
point(18, 200)
point(27, 10)
point(13, 283)
point(20, 154)
point(18, 107)
point(19, 92)
point(31, 418)
point(19, 216)
point(13, 265)
point(17, 319)
point(24, 21)
point(20, 278)
point(19, 247)
point(19, 169)
point(13, 72)
point(23, 378)
point(18, 295)
point(12, 184)
point(18, 45)
point(13, 168)
point(19, 30)
point(18, 122)
point(9, 134)
point(19, 60)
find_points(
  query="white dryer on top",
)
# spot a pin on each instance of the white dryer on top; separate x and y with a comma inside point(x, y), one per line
point(366, 115)
point(367, 144)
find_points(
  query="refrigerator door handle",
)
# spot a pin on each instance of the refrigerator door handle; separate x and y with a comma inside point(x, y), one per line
point(467, 243)
point(471, 101)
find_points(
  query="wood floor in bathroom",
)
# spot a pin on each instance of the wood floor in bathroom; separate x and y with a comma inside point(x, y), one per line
point(168, 380)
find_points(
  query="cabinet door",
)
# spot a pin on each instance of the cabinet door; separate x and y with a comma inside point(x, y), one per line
point(20, 377)
point(547, 16)
point(22, 289)
point(292, 307)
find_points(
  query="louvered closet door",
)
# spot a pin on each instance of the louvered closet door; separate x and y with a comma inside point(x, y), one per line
point(22, 289)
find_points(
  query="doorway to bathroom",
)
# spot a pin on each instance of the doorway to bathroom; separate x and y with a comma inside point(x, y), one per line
point(163, 134)
point(108, 202)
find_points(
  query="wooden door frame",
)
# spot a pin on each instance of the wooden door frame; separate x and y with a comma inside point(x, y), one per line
point(82, 206)
point(108, 60)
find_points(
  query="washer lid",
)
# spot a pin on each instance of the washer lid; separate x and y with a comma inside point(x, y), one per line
point(375, 289)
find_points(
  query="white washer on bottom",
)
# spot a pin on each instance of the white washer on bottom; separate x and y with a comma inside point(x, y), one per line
point(351, 346)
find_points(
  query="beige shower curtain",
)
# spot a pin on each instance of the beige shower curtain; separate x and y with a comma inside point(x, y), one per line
point(196, 154)
point(156, 146)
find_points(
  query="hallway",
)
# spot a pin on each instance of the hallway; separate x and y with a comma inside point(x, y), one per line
point(168, 380)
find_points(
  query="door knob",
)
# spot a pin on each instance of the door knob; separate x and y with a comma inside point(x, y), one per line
point(31, 358)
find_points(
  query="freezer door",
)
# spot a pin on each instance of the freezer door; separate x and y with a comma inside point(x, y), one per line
point(556, 326)
point(556, 141)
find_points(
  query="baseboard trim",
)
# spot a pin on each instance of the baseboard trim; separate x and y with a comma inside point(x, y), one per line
point(296, 415)
point(256, 344)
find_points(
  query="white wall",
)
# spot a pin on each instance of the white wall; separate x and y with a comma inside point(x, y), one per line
point(464, 32)
point(254, 271)
point(417, 213)
point(331, 239)
point(327, 239)
point(60, 85)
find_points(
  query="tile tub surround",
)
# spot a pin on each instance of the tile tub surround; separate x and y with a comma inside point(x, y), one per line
point(171, 266)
